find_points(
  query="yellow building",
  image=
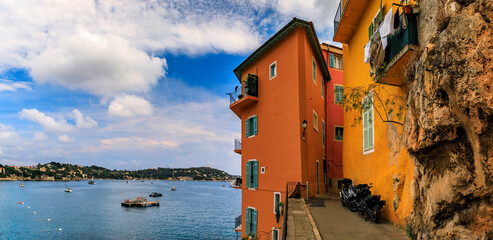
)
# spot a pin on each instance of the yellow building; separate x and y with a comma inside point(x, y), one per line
point(373, 149)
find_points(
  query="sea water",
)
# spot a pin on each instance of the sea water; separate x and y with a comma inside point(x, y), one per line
point(197, 210)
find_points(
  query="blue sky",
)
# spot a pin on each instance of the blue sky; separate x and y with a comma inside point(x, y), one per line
point(131, 84)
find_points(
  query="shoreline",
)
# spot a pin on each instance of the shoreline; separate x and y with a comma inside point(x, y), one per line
point(87, 179)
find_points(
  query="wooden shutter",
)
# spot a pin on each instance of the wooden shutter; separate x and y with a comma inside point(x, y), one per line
point(247, 220)
point(248, 174)
point(247, 128)
point(253, 231)
point(254, 123)
point(255, 173)
point(331, 60)
point(370, 129)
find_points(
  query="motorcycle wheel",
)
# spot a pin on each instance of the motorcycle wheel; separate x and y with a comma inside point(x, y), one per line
point(374, 214)
point(352, 206)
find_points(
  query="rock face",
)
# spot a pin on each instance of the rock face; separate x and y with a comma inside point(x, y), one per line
point(449, 123)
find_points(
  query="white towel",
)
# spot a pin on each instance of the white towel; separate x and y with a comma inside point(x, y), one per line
point(367, 52)
point(387, 24)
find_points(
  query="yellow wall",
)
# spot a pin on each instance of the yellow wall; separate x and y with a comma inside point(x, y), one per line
point(389, 158)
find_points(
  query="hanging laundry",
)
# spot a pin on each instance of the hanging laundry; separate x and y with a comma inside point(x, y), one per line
point(396, 19)
point(377, 55)
point(367, 52)
point(386, 26)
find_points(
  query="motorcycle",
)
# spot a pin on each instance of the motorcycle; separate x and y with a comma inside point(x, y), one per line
point(358, 193)
point(372, 206)
point(346, 198)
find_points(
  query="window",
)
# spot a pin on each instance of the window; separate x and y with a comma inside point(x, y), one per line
point(368, 124)
point(314, 71)
point(275, 234)
point(273, 70)
point(277, 200)
point(251, 221)
point(251, 126)
point(339, 132)
point(252, 174)
point(315, 121)
point(335, 61)
point(339, 93)
point(323, 133)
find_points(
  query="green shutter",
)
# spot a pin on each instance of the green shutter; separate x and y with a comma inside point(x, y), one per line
point(254, 222)
point(323, 133)
point(254, 123)
point(342, 58)
point(247, 129)
point(255, 174)
point(331, 60)
point(247, 221)
point(314, 71)
point(322, 88)
point(370, 31)
point(370, 129)
point(247, 174)
point(275, 234)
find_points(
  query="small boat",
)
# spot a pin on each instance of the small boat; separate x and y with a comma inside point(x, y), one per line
point(155, 194)
point(22, 183)
point(92, 182)
point(173, 185)
point(139, 202)
point(68, 189)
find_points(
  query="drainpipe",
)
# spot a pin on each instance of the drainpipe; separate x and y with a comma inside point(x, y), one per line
point(307, 189)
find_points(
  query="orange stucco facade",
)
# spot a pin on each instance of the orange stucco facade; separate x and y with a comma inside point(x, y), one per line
point(388, 165)
point(283, 103)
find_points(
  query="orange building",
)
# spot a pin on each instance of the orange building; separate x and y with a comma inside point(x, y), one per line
point(283, 86)
point(373, 150)
point(334, 116)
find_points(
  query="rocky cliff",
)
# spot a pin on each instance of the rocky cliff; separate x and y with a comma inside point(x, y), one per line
point(449, 123)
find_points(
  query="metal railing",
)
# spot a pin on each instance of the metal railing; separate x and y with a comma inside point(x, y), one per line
point(237, 144)
point(250, 85)
point(292, 190)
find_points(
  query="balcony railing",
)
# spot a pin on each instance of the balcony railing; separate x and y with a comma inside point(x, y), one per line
point(249, 88)
point(337, 18)
point(401, 38)
point(237, 221)
point(237, 145)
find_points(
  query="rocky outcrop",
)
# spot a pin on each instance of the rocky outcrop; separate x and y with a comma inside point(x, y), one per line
point(449, 123)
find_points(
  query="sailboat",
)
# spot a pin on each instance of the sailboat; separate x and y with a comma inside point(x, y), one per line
point(173, 185)
point(92, 182)
point(151, 179)
point(22, 183)
point(67, 189)
point(142, 178)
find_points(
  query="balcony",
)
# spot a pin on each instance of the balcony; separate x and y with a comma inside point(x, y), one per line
point(399, 52)
point(347, 19)
point(237, 146)
point(238, 101)
point(238, 224)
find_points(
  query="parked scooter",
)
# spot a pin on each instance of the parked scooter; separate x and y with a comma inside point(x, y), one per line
point(371, 207)
point(345, 194)
point(361, 191)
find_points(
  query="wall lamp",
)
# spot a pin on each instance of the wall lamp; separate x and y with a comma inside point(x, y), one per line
point(304, 124)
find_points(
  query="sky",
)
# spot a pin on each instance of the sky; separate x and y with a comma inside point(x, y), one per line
point(132, 84)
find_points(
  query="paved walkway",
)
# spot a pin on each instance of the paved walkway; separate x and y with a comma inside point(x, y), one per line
point(336, 222)
point(299, 226)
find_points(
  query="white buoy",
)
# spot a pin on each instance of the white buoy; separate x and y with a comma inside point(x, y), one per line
point(34, 212)
point(59, 229)
point(49, 219)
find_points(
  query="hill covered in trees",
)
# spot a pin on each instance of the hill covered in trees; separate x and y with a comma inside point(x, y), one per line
point(63, 171)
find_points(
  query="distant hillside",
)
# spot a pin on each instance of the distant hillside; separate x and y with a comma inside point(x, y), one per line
point(63, 171)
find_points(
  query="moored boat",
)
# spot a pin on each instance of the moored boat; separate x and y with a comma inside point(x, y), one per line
point(155, 194)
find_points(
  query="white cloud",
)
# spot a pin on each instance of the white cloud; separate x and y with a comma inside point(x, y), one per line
point(81, 122)
point(8, 85)
point(49, 124)
point(39, 136)
point(8, 136)
point(98, 64)
point(65, 139)
point(59, 126)
point(130, 106)
point(103, 47)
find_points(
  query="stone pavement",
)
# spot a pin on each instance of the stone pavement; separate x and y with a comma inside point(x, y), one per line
point(335, 222)
point(299, 226)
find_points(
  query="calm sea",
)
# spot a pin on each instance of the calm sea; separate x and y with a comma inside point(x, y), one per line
point(198, 210)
